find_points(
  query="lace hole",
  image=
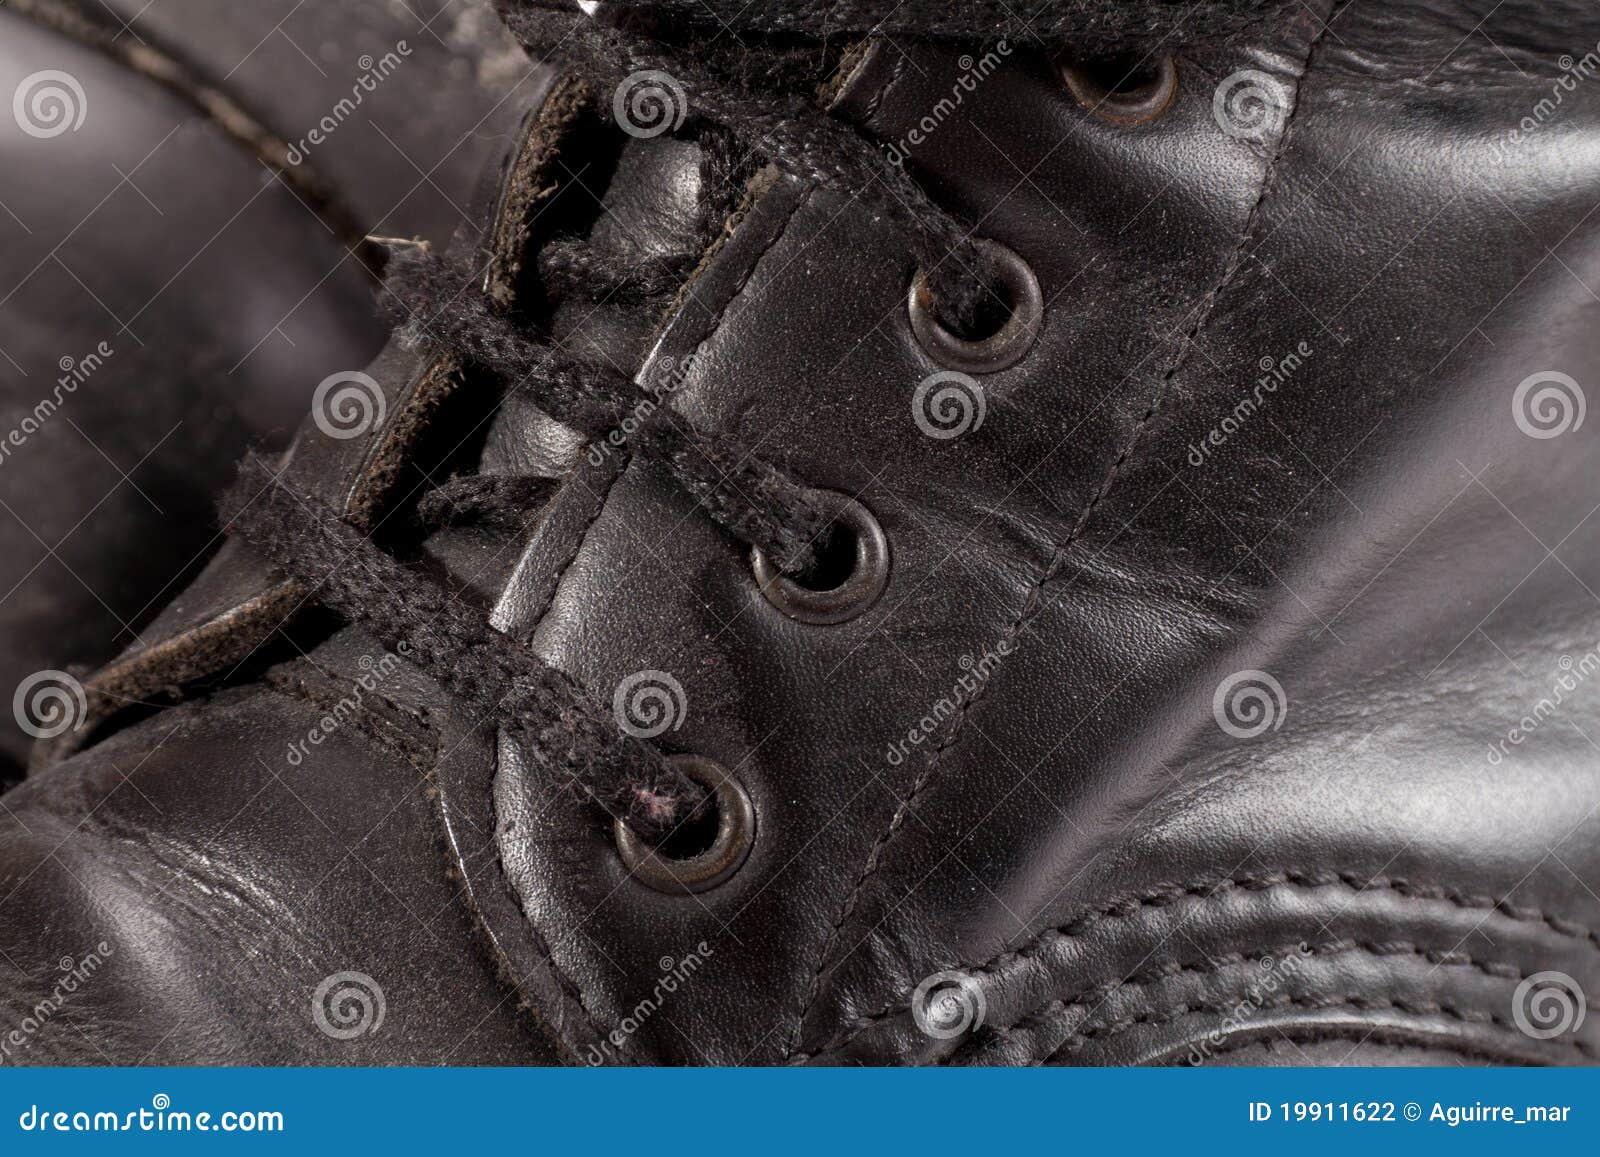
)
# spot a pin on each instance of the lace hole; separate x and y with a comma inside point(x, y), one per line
point(852, 575)
point(732, 837)
point(1121, 91)
point(998, 350)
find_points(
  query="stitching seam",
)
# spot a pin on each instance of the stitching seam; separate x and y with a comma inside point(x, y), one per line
point(1315, 1003)
point(569, 987)
point(1327, 1033)
point(146, 59)
point(883, 90)
point(1035, 602)
point(1130, 907)
point(1216, 964)
point(626, 458)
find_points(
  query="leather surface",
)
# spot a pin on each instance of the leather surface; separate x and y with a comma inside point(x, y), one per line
point(1117, 864)
point(220, 915)
point(426, 116)
point(190, 318)
point(1088, 787)
point(172, 337)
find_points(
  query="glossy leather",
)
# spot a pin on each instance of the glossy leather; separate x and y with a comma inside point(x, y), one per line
point(221, 295)
point(1116, 877)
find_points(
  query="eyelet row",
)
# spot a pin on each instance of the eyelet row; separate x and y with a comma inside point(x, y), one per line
point(1112, 101)
point(736, 818)
point(869, 575)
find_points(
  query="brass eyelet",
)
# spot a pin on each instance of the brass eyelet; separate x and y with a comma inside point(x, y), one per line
point(736, 834)
point(1127, 107)
point(867, 579)
point(999, 350)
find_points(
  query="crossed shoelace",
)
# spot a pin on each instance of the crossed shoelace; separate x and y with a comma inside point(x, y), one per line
point(753, 93)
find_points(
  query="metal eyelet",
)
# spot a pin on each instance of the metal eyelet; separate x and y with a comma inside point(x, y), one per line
point(859, 590)
point(1126, 107)
point(1000, 349)
point(736, 833)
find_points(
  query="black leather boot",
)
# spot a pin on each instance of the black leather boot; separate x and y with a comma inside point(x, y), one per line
point(182, 264)
point(937, 538)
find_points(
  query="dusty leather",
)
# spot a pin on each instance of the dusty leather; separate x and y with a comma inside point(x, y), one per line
point(1029, 765)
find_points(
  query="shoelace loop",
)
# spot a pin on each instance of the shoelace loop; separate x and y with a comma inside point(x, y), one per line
point(439, 304)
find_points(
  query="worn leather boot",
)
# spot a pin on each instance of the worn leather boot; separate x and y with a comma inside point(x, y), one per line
point(187, 187)
point(903, 537)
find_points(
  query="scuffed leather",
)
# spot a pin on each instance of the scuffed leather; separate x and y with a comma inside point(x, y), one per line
point(218, 913)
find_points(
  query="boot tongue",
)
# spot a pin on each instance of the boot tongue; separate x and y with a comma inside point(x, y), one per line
point(650, 203)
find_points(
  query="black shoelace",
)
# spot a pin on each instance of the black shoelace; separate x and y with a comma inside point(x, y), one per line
point(763, 99)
